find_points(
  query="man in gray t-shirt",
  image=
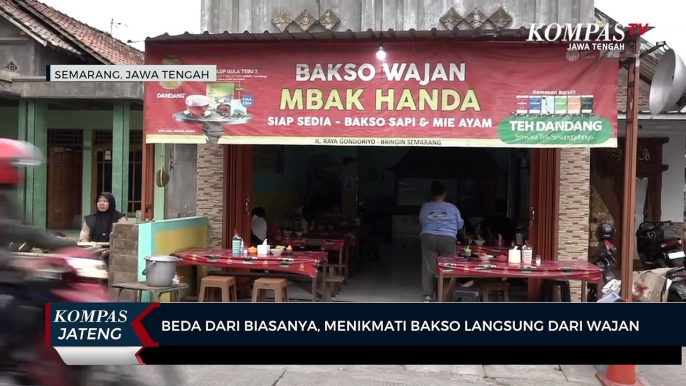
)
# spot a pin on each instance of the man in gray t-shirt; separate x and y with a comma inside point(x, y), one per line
point(440, 223)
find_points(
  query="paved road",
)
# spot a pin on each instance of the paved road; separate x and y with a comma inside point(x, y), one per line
point(664, 375)
point(407, 375)
point(384, 375)
point(313, 375)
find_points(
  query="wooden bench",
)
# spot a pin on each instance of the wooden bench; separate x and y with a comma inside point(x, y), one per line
point(335, 282)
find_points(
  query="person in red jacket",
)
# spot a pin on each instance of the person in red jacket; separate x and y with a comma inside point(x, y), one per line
point(13, 156)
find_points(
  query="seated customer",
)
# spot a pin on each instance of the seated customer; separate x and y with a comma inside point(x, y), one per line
point(499, 224)
point(98, 226)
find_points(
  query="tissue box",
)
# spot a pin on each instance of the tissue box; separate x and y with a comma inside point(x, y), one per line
point(263, 249)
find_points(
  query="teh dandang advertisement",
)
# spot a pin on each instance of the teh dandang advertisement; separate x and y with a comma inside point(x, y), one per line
point(423, 94)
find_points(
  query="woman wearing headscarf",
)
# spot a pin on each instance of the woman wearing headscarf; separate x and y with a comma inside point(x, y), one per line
point(98, 226)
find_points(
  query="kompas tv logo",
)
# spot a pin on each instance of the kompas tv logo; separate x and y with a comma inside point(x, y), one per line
point(585, 36)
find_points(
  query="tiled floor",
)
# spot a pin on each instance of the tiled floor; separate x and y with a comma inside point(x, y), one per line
point(395, 278)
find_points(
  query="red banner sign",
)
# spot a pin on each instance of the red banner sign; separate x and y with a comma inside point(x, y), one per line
point(423, 94)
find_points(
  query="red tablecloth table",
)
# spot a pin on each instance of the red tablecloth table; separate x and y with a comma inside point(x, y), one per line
point(339, 245)
point(456, 267)
point(299, 263)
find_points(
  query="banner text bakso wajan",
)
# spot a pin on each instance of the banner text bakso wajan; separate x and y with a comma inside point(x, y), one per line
point(423, 94)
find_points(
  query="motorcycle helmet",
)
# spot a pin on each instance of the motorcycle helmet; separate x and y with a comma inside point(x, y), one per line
point(605, 231)
point(13, 155)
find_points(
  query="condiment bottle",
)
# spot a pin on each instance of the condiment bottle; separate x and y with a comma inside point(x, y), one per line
point(519, 238)
point(467, 251)
point(514, 255)
point(236, 243)
point(527, 253)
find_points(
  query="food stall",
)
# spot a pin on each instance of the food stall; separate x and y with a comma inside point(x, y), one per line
point(434, 88)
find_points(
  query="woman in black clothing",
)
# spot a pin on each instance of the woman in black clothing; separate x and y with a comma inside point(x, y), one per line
point(98, 226)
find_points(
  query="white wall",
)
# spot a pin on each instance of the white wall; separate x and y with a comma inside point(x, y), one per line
point(673, 178)
point(672, 155)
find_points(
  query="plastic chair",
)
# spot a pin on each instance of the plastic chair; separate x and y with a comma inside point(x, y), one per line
point(264, 284)
point(226, 284)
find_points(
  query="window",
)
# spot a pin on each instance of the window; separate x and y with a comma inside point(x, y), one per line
point(102, 171)
point(135, 181)
point(103, 165)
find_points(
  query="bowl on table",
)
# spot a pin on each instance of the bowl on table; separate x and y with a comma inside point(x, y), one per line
point(485, 258)
point(479, 242)
point(277, 252)
point(298, 234)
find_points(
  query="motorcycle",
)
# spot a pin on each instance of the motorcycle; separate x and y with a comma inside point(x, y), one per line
point(677, 290)
point(605, 259)
point(655, 250)
point(26, 285)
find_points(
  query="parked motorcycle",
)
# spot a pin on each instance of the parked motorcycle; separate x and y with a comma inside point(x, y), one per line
point(604, 258)
point(677, 290)
point(26, 285)
point(655, 250)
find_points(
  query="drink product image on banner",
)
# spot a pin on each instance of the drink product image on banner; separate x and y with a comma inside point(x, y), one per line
point(548, 105)
point(534, 105)
point(574, 105)
point(560, 105)
point(522, 104)
point(587, 104)
point(219, 93)
point(197, 105)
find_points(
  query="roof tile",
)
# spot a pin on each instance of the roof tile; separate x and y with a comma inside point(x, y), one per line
point(32, 26)
point(101, 43)
point(62, 31)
